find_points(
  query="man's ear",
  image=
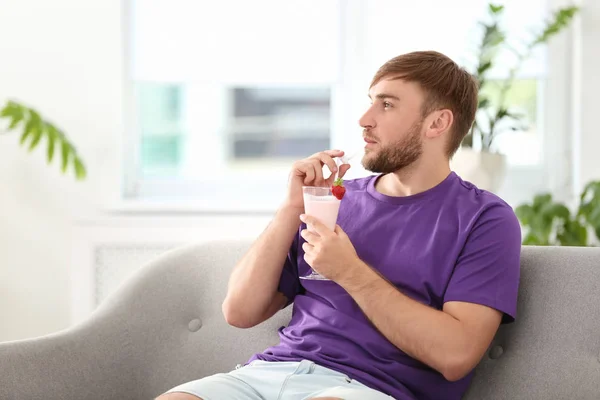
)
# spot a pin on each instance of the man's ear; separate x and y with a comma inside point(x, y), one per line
point(439, 122)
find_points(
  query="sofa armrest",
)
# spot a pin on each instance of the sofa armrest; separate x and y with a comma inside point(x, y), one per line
point(162, 327)
point(87, 362)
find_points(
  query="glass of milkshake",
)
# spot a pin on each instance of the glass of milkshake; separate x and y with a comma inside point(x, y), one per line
point(320, 203)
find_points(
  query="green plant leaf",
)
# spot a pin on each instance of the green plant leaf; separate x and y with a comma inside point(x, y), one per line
point(15, 121)
point(540, 200)
point(496, 8)
point(483, 102)
point(66, 152)
point(80, 171)
point(37, 136)
point(497, 39)
point(524, 214)
point(532, 240)
point(590, 192)
point(561, 19)
point(52, 136)
point(492, 38)
point(594, 219)
point(556, 210)
point(15, 112)
point(467, 141)
point(10, 110)
point(505, 113)
point(590, 210)
point(541, 228)
point(35, 127)
point(544, 219)
point(573, 234)
point(589, 205)
point(29, 127)
point(482, 68)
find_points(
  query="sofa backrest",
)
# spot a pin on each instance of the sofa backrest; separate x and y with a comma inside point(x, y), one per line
point(552, 351)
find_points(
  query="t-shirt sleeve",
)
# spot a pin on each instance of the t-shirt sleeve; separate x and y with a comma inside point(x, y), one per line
point(487, 271)
point(289, 283)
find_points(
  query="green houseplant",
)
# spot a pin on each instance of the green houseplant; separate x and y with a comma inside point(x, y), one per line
point(34, 128)
point(478, 161)
point(550, 223)
point(494, 113)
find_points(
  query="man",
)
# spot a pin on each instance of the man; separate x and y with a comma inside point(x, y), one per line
point(423, 266)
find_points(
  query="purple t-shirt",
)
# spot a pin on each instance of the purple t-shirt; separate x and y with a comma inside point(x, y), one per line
point(453, 242)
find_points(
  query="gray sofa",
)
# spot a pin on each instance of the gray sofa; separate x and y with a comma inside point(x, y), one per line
point(164, 326)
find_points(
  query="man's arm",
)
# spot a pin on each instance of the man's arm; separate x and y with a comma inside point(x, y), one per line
point(252, 295)
point(451, 341)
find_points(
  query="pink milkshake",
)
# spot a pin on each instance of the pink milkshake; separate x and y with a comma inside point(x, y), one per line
point(320, 203)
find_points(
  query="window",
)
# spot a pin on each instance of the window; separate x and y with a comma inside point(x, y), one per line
point(263, 125)
point(278, 123)
point(221, 96)
point(522, 146)
point(225, 96)
point(160, 115)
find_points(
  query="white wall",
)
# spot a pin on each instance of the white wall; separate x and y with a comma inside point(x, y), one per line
point(62, 57)
point(587, 166)
point(65, 58)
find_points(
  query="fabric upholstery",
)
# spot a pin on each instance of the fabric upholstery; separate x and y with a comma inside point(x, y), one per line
point(164, 326)
point(553, 350)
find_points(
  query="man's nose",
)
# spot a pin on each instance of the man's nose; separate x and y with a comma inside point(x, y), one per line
point(367, 121)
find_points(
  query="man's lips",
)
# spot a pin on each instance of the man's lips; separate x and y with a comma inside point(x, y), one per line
point(369, 140)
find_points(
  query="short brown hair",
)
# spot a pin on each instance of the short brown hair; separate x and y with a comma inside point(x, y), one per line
point(446, 86)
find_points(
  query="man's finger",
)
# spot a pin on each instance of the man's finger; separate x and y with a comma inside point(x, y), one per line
point(343, 169)
point(317, 225)
point(339, 231)
point(309, 173)
point(307, 247)
point(326, 159)
point(334, 153)
point(318, 170)
point(309, 236)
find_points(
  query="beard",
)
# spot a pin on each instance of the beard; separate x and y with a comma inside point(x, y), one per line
point(396, 156)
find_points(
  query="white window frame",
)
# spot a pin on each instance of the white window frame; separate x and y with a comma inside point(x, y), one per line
point(554, 172)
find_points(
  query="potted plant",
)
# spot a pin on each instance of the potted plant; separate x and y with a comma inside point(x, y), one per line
point(478, 160)
point(34, 128)
point(549, 223)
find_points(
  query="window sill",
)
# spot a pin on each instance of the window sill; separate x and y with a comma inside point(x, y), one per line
point(264, 198)
point(198, 207)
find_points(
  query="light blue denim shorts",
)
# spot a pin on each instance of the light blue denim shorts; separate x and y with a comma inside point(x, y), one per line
point(262, 380)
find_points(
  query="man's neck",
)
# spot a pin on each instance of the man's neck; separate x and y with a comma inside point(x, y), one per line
point(416, 178)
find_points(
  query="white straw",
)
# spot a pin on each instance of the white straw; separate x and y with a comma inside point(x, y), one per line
point(339, 161)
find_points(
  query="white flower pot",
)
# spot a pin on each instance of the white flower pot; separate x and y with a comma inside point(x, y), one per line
point(484, 170)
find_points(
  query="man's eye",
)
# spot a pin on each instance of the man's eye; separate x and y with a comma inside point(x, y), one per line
point(387, 104)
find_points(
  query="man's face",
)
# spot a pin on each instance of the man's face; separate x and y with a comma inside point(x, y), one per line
point(393, 126)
